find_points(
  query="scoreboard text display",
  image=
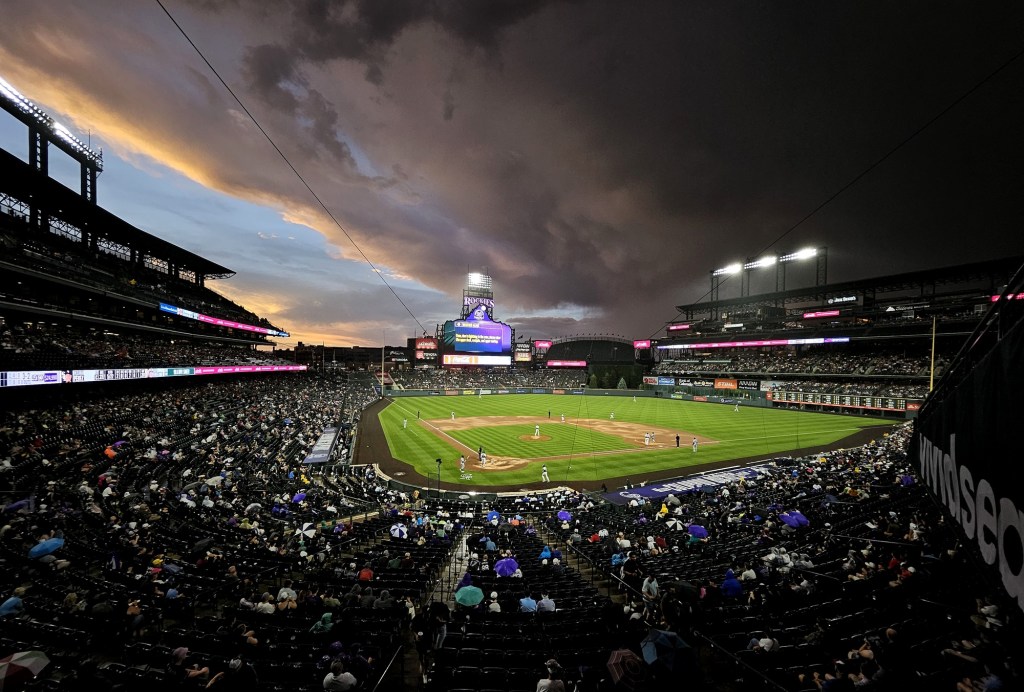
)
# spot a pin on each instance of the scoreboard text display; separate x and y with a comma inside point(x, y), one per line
point(842, 400)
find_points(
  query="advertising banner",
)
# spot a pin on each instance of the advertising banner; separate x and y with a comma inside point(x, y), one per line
point(523, 357)
point(558, 391)
point(675, 396)
point(469, 392)
point(171, 372)
point(752, 385)
point(642, 344)
point(769, 385)
point(228, 369)
point(701, 382)
point(323, 447)
point(667, 381)
point(542, 345)
point(721, 383)
point(111, 375)
point(426, 344)
point(25, 378)
point(681, 485)
point(182, 312)
point(650, 379)
point(700, 398)
point(567, 363)
point(963, 447)
point(466, 359)
point(767, 342)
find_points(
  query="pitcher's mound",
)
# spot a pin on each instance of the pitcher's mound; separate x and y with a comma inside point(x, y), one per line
point(531, 438)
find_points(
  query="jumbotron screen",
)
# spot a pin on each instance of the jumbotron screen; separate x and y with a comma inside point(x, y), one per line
point(480, 334)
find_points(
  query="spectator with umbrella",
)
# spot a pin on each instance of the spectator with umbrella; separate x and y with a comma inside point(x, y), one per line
point(626, 669)
point(506, 567)
point(21, 667)
point(666, 652)
point(469, 596)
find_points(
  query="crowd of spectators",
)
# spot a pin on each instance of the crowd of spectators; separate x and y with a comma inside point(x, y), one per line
point(835, 361)
point(42, 346)
point(438, 378)
point(182, 514)
point(196, 545)
point(828, 572)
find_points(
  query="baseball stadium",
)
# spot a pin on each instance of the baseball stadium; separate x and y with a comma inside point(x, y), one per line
point(796, 484)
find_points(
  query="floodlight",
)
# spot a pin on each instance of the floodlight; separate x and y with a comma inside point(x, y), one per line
point(478, 280)
point(766, 261)
point(731, 269)
point(806, 253)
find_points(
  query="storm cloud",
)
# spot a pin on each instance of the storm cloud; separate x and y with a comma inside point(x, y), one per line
point(597, 158)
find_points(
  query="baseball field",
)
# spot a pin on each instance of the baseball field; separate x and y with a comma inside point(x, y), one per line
point(601, 436)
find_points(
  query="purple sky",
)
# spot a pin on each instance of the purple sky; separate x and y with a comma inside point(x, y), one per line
point(598, 158)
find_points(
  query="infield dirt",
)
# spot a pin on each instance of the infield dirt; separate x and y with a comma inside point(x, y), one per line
point(631, 433)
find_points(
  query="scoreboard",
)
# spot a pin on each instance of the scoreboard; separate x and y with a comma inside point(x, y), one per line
point(844, 400)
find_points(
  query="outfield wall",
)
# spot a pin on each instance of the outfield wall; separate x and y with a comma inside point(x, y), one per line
point(748, 398)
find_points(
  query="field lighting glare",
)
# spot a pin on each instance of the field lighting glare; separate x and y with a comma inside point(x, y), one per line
point(763, 262)
point(806, 253)
point(477, 280)
point(731, 269)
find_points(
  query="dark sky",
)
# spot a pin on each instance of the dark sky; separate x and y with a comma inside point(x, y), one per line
point(598, 158)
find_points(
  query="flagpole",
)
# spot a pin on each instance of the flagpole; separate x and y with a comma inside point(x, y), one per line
point(383, 341)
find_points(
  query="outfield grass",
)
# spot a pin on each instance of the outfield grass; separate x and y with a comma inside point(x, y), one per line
point(590, 454)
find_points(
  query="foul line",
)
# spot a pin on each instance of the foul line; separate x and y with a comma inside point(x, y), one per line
point(442, 433)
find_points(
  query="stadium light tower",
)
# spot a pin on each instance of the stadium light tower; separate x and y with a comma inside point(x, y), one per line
point(478, 291)
point(820, 254)
point(43, 131)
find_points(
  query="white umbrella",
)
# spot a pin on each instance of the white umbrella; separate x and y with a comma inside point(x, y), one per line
point(307, 530)
point(675, 524)
point(399, 530)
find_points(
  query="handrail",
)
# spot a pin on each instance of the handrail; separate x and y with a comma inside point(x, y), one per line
point(903, 544)
point(990, 320)
point(384, 674)
point(715, 645)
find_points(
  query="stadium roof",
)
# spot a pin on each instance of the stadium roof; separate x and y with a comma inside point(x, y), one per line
point(992, 272)
point(20, 181)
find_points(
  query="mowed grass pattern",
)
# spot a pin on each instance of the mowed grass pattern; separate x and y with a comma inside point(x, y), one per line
point(565, 439)
point(752, 431)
